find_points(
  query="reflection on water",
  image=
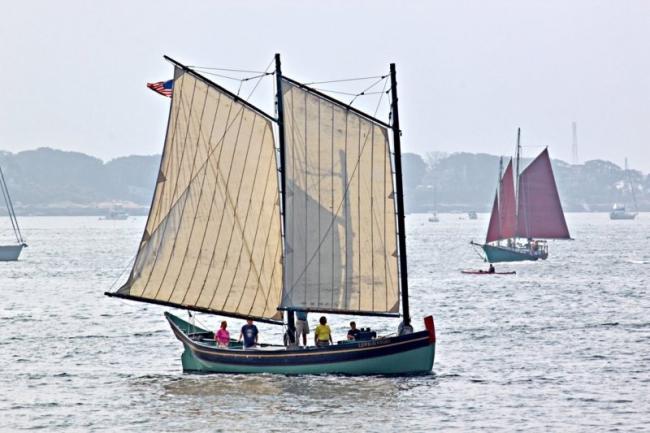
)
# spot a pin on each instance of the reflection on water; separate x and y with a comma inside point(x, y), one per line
point(560, 346)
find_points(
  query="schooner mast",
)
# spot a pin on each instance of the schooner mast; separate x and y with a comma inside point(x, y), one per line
point(400, 198)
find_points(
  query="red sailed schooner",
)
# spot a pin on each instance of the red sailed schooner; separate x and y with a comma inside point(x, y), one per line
point(524, 217)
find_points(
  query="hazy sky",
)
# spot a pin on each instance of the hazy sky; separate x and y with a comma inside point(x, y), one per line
point(469, 72)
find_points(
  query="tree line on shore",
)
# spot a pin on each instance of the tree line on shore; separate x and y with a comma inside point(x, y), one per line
point(46, 181)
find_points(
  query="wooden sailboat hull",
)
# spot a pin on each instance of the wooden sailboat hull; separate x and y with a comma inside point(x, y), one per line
point(399, 355)
point(10, 253)
point(496, 254)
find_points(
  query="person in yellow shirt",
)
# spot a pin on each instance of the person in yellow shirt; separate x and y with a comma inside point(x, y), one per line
point(323, 334)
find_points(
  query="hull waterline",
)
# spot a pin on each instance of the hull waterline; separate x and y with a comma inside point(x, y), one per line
point(400, 355)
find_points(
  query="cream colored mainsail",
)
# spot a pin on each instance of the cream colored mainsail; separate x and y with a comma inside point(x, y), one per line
point(340, 215)
point(213, 239)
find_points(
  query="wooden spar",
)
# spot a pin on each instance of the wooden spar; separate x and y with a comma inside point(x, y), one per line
point(400, 199)
point(283, 179)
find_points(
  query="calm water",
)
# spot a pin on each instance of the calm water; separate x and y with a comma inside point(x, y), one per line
point(562, 346)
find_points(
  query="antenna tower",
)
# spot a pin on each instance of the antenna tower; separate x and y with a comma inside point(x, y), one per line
point(574, 146)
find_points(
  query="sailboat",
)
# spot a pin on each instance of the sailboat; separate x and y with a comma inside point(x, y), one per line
point(618, 210)
point(434, 216)
point(116, 214)
point(523, 219)
point(12, 251)
point(241, 228)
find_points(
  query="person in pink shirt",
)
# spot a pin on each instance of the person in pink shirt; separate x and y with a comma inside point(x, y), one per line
point(222, 336)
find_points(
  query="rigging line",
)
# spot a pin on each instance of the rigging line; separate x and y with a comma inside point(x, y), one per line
point(368, 88)
point(125, 268)
point(228, 77)
point(10, 208)
point(345, 93)
point(347, 79)
point(248, 71)
point(258, 76)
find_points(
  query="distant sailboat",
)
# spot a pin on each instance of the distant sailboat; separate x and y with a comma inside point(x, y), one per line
point(618, 210)
point(117, 214)
point(522, 220)
point(434, 216)
point(241, 228)
point(10, 252)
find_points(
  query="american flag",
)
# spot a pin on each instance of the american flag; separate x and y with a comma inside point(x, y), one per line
point(162, 87)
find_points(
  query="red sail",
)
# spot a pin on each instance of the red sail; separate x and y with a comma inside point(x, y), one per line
point(494, 232)
point(540, 211)
point(507, 205)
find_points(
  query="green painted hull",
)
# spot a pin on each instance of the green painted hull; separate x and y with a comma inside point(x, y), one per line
point(384, 356)
point(496, 254)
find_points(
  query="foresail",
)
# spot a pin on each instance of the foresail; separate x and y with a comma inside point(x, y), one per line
point(213, 240)
point(507, 204)
point(494, 228)
point(539, 213)
point(341, 244)
point(503, 217)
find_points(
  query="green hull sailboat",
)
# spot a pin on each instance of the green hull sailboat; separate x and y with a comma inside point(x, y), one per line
point(523, 218)
point(241, 227)
point(410, 354)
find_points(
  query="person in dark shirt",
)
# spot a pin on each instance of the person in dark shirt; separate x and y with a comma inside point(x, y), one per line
point(249, 333)
point(491, 269)
point(353, 333)
point(302, 327)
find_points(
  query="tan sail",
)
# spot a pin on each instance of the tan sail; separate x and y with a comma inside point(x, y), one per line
point(213, 240)
point(340, 215)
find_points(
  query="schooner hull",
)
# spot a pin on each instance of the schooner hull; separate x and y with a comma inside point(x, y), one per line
point(497, 254)
point(10, 253)
point(401, 355)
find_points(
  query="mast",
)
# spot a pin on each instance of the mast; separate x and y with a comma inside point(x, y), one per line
point(400, 199)
point(283, 178)
point(499, 180)
point(629, 182)
point(517, 180)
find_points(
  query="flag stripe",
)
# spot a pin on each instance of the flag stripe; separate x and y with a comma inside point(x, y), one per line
point(162, 87)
